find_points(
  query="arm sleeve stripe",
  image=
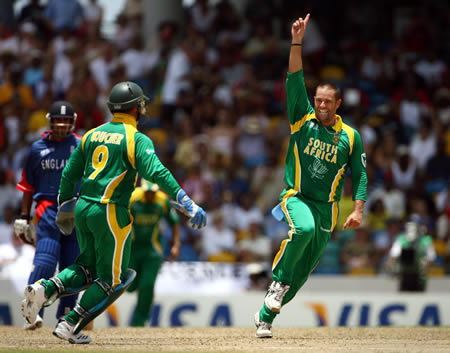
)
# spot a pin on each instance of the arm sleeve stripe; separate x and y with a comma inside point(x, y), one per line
point(351, 136)
point(131, 144)
point(335, 184)
point(24, 189)
point(83, 140)
point(296, 127)
point(298, 170)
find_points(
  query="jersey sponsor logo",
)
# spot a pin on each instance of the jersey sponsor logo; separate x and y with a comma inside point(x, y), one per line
point(317, 170)
point(313, 125)
point(321, 150)
point(107, 137)
point(363, 160)
point(146, 219)
point(47, 151)
point(53, 164)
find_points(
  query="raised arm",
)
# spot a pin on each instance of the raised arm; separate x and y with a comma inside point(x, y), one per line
point(297, 32)
point(298, 105)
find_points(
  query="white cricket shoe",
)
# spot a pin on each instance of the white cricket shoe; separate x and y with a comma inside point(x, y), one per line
point(34, 325)
point(34, 299)
point(263, 329)
point(64, 330)
point(275, 295)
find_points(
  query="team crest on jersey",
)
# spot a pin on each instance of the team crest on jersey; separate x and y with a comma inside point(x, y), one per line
point(317, 169)
point(336, 137)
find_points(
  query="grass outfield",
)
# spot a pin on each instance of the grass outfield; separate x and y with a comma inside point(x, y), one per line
point(187, 339)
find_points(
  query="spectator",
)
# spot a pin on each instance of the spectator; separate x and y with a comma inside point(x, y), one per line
point(103, 65)
point(393, 198)
point(377, 216)
point(437, 171)
point(404, 169)
point(34, 13)
point(13, 90)
point(64, 15)
point(246, 213)
point(218, 240)
point(430, 68)
point(202, 16)
point(358, 255)
point(423, 145)
point(256, 247)
point(384, 239)
point(93, 14)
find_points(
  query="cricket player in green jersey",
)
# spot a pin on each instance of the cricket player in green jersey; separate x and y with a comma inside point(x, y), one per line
point(107, 160)
point(413, 252)
point(148, 207)
point(321, 149)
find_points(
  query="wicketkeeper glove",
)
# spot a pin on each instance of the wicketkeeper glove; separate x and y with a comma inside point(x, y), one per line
point(65, 218)
point(25, 231)
point(188, 207)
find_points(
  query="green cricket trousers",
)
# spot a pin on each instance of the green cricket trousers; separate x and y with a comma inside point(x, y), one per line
point(103, 233)
point(311, 223)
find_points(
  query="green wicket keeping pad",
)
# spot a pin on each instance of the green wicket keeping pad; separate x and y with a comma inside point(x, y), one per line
point(101, 307)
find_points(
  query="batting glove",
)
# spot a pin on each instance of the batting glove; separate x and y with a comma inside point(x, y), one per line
point(25, 231)
point(188, 207)
point(65, 219)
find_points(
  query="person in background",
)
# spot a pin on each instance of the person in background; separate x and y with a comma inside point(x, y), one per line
point(413, 252)
point(40, 181)
point(148, 207)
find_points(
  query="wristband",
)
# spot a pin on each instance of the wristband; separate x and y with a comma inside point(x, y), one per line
point(25, 216)
point(299, 44)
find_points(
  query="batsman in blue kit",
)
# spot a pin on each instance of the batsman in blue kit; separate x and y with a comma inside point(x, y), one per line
point(40, 182)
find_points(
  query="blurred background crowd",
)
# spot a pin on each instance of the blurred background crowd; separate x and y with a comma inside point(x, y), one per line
point(218, 114)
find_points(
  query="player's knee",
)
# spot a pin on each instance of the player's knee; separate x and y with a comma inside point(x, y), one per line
point(45, 259)
point(47, 250)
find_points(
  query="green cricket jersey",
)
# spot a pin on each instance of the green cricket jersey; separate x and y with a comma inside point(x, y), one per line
point(147, 215)
point(318, 156)
point(421, 246)
point(109, 158)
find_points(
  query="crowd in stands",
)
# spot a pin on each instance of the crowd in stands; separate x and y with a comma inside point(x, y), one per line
point(218, 114)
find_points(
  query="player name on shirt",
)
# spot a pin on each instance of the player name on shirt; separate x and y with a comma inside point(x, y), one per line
point(107, 137)
point(321, 150)
point(54, 164)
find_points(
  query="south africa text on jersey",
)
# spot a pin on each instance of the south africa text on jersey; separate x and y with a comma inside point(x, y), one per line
point(107, 137)
point(321, 150)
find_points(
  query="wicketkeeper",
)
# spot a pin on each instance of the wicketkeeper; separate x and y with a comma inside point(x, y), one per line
point(108, 159)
